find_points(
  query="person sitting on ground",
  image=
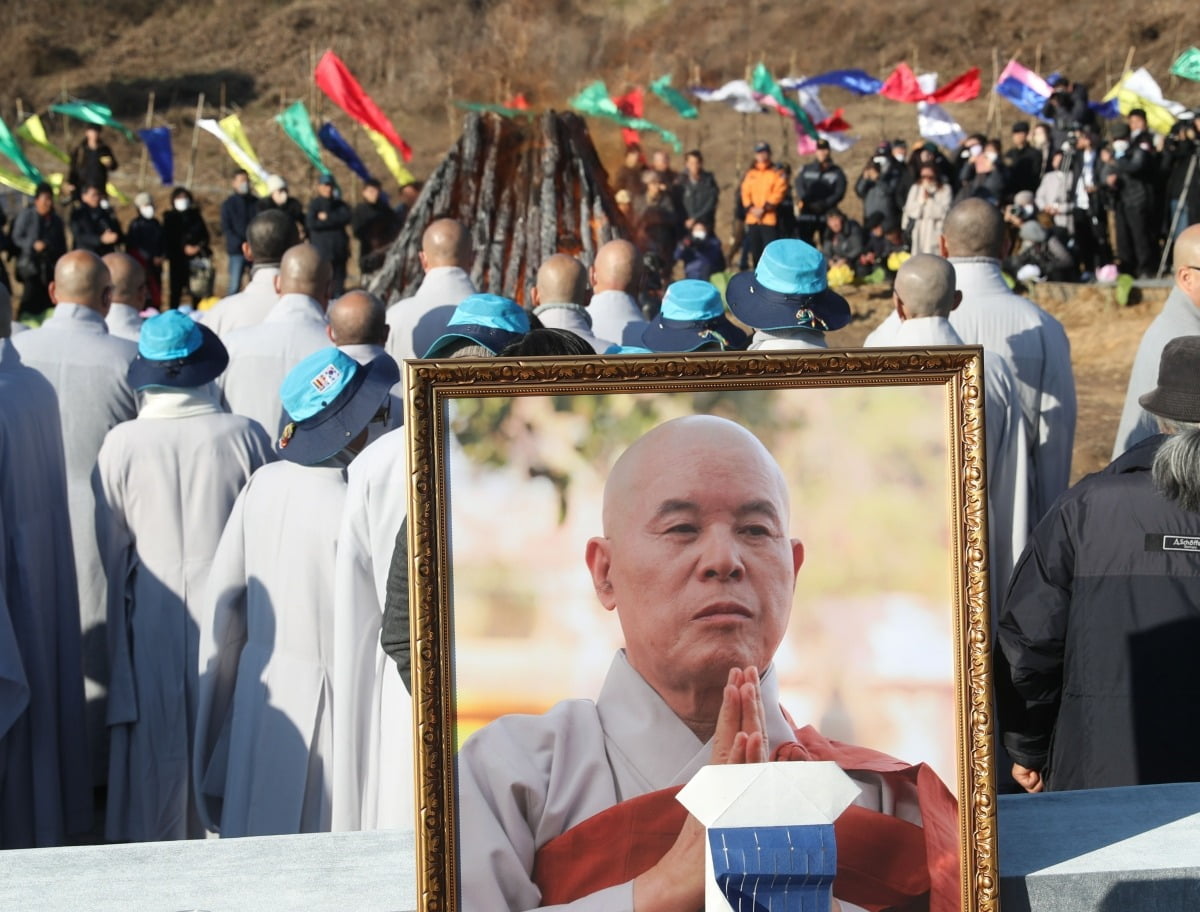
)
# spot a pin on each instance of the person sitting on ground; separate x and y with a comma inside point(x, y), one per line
point(700, 252)
point(843, 242)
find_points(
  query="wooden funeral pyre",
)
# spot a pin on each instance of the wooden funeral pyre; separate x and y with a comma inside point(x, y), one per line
point(525, 189)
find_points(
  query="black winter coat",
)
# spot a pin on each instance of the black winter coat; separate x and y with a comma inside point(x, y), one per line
point(1097, 644)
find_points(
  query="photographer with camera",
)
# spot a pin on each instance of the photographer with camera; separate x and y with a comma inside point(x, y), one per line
point(1129, 174)
point(1067, 109)
point(876, 187)
point(1180, 166)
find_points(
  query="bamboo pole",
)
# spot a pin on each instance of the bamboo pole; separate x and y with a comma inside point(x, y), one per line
point(992, 105)
point(191, 171)
point(222, 108)
point(1128, 60)
point(1175, 54)
point(141, 183)
point(1037, 59)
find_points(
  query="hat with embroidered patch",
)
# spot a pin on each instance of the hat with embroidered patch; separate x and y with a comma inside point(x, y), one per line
point(487, 320)
point(692, 316)
point(788, 289)
point(329, 399)
point(1177, 395)
point(174, 350)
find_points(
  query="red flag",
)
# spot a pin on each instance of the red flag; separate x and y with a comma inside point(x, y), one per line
point(517, 102)
point(631, 104)
point(834, 123)
point(336, 81)
point(963, 88)
point(902, 85)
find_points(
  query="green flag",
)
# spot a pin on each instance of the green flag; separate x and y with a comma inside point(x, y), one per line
point(1188, 64)
point(94, 113)
point(662, 88)
point(595, 100)
point(762, 83)
point(10, 148)
point(298, 126)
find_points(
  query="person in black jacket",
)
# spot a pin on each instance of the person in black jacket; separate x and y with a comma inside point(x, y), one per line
point(1181, 167)
point(1023, 161)
point(1129, 173)
point(236, 212)
point(820, 186)
point(375, 225)
point(91, 161)
point(40, 238)
point(699, 193)
point(278, 197)
point(1067, 109)
point(93, 225)
point(186, 239)
point(1097, 643)
point(146, 243)
point(328, 218)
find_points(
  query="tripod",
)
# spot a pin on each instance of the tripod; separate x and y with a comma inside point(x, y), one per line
point(1180, 205)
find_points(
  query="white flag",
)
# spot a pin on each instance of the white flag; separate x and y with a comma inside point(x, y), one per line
point(737, 94)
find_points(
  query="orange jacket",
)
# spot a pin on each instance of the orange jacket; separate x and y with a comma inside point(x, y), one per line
point(766, 186)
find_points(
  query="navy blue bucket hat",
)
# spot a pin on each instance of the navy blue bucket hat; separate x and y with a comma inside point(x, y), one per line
point(787, 290)
point(174, 350)
point(488, 320)
point(330, 398)
point(692, 316)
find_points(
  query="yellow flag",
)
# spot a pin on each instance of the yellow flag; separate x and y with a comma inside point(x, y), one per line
point(18, 182)
point(1137, 89)
point(35, 131)
point(114, 193)
point(391, 160)
point(232, 125)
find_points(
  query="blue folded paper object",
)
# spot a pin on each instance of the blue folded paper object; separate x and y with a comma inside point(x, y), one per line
point(775, 868)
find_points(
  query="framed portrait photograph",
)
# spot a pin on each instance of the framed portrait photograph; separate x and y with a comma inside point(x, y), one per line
point(625, 569)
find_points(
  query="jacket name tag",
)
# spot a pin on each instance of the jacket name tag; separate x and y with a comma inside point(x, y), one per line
point(1160, 542)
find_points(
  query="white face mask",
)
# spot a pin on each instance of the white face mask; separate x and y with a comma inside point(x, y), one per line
point(181, 204)
point(699, 234)
point(899, 156)
point(975, 150)
point(992, 155)
point(1038, 140)
point(1120, 146)
point(147, 212)
point(104, 204)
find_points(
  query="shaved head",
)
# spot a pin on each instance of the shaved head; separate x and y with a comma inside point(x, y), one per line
point(925, 287)
point(561, 279)
point(616, 267)
point(696, 560)
point(304, 271)
point(128, 279)
point(974, 228)
point(1185, 257)
point(445, 243)
point(80, 277)
point(358, 318)
point(269, 235)
point(665, 449)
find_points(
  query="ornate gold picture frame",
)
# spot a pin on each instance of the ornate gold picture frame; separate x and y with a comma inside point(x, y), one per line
point(888, 646)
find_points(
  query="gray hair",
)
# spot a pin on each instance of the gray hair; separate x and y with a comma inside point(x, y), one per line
point(1176, 468)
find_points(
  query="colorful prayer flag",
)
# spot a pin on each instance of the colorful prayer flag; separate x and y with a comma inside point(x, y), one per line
point(594, 100)
point(662, 88)
point(298, 126)
point(1023, 88)
point(1139, 90)
point(94, 113)
point(736, 93)
point(332, 139)
point(17, 182)
point(34, 131)
point(158, 145)
point(902, 85)
point(857, 81)
point(1187, 65)
point(258, 174)
point(764, 84)
point(232, 125)
point(10, 148)
point(336, 81)
point(631, 104)
point(935, 124)
point(391, 161)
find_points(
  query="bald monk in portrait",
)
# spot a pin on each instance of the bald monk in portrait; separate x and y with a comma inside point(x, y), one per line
point(576, 808)
point(1180, 316)
point(260, 356)
point(445, 256)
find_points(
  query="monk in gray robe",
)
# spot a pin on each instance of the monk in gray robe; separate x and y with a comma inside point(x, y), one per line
point(45, 784)
point(263, 755)
point(86, 366)
point(165, 485)
point(261, 356)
